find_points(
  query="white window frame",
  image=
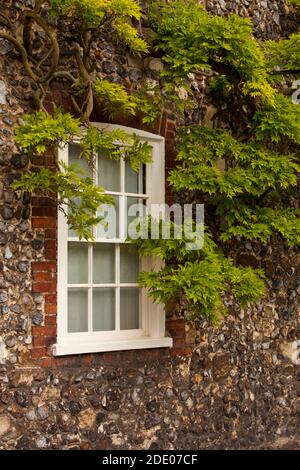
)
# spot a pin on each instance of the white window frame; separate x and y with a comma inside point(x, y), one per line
point(152, 332)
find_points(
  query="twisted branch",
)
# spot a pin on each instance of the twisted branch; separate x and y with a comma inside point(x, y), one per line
point(23, 53)
point(7, 21)
point(81, 68)
point(88, 105)
point(55, 47)
point(43, 76)
point(86, 41)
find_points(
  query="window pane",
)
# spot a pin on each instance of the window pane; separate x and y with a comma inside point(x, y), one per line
point(103, 263)
point(74, 153)
point(109, 174)
point(74, 157)
point(136, 208)
point(129, 301)
point(77, 310)
point(133, 179)
point(109, 228)
point(77, 263)
point(129, 263)
point(103, 309)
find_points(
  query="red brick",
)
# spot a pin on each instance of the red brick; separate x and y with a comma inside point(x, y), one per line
point(50, 330)
point(44, 211)
point(38, 352)
point(170, 135)
point(50, 340)
point(50, 320)
point(38, 331)
point(50, 308)
point(87, 359)
point(38, 341)
point(45, 362)
point(44, 276)
point(59, 362)
point(180, 352)
point(50, 255)
point(51, 233)
point(177, 325)
point(50, 244)
point(44, 286)
point(43, 201)
point(178, 343)
point(43, 160)
point(43, 265)
point(38, 222)
point(51, 298)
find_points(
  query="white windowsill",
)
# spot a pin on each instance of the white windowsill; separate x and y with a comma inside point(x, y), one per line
point(64, 349)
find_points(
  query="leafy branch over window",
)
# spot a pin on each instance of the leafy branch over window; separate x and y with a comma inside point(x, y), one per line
point(255, 134)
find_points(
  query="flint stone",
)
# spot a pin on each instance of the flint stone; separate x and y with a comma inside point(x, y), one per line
point(3, 352)
point(2, 89)
point(108, 67)
point(42, 412)
point(8, 254)
point(5, 47)
point(7, 213)
point(10, 341)
point(19, 160)
point(23, 266)
point(37, 244)
point(4, 425)
point(221, 366)
point(291, 351)
point(41, 442)
point(3, 296)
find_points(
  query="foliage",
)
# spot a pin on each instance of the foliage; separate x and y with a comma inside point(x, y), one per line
point(114, 145)
point(259, 223)
point(201, 278)
point(96, 13)
point(279, 122)
point(114, 97)
point(192, 39)
point(284, 54)
point(40, 130)
point(294, 2)
point(251, 169)
point(249, 194)
point(252, 174)
point(96, 141)
point(138, 153)
point(77, 197)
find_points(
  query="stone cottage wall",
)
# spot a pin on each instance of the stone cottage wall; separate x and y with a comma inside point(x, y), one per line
point(233, 386)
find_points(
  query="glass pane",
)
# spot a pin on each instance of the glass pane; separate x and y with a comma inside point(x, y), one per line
point(74, 157)
point(74, 153)
point(109, 173)
point(103, 263)
point(133, 179)
point(103, 309)
point(77, 263)
point(129, 301)
point(136, 208)
point(129, 263)
point(109, 227)
point(77, 310)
